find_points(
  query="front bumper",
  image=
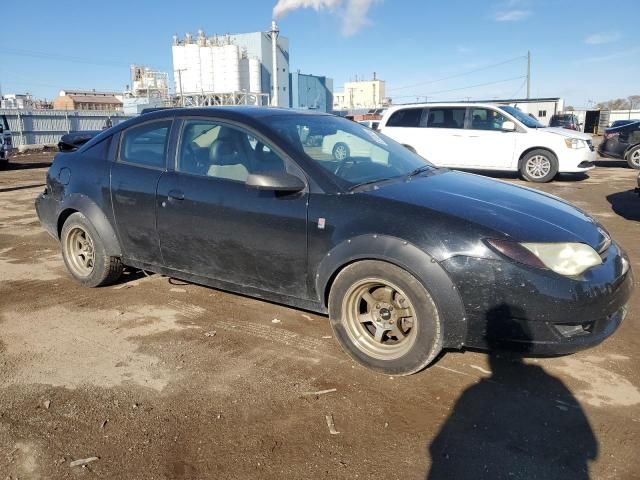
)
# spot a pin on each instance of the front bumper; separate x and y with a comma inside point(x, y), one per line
point(514, 307)
point(576, 160)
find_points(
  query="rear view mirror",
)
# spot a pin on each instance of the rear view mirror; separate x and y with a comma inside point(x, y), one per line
point(276, 181)
point(508, 126)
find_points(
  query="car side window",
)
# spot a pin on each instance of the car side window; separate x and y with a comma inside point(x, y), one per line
point(486, 119)
point(214, 149)
point(146, 144)
point(444, 117)
point(407, 117)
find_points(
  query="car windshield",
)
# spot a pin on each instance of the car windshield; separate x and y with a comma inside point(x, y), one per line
point(522, 117)
point(352, 154)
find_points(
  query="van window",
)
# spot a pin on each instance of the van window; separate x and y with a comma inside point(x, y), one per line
point(407, 117)
point(486, 119)
point(446, 118)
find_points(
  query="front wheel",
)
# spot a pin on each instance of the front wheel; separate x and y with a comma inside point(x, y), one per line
point(384, 318)
point(633, 158)
point(84, 253)
point(539, 166)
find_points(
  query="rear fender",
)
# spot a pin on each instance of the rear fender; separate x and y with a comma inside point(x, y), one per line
point(410, 258)
point(83, 204)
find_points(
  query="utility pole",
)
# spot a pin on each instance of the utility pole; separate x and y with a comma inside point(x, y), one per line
point(180, 70)
point(528, 74)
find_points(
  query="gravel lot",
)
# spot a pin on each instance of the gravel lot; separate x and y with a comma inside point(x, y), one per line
point(162, 379)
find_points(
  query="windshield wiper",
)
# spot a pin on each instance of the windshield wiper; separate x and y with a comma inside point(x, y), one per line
point(368, 182)
point(419, 170)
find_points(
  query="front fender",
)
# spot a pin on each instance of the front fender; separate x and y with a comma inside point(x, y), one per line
point(86, 206)
point(410, 258)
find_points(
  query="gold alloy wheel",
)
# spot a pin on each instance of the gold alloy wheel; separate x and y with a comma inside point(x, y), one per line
point(80, 251)
point(379, 319)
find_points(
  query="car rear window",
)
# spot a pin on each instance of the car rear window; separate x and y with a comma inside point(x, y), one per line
point(146, 144)
point(407, 117)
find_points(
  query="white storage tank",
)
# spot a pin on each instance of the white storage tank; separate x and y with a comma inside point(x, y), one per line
point(244, 74)
point(232, 64)
point(255, 75)
point(206, 69)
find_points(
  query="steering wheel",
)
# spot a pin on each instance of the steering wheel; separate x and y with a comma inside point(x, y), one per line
point(344, 162)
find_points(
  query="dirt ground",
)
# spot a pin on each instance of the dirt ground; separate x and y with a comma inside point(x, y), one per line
point(162, 379)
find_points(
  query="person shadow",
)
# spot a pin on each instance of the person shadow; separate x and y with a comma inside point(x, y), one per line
point(518, 423)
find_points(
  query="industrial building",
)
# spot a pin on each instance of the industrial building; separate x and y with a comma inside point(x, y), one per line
point(148, 88)
point(87, 100)
point(361, 94)
point(310, 92)
point(232, 68)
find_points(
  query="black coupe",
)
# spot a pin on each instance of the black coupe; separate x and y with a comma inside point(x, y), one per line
point(407, 259)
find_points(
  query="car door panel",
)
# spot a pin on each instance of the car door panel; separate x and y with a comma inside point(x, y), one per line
point(222, 229)
point(485, 144)
point(133, 181)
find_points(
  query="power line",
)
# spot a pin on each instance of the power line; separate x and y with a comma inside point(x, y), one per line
point(457, 75)
point(464, 88)
point(64, 58)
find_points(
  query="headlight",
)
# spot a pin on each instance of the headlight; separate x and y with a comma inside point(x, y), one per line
point(568, 259)
point(575, 143)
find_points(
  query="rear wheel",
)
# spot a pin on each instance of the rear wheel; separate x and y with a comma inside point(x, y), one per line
point(84, 253)
point(633, 158)
point(539, 166)
point(384, 318)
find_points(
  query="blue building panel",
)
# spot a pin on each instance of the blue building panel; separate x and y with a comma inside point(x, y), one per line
point(310, 92)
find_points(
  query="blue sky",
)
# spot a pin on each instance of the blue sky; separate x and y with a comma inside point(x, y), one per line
point(581, 51)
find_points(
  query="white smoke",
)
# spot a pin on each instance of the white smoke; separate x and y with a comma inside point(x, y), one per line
point(352, 12)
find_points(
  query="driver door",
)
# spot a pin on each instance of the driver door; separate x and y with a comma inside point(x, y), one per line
point(212, 225)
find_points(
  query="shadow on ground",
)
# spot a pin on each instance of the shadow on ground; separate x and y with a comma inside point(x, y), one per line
point(12, 165)
point(561, 177)
point(626, 204)
point(518, 423)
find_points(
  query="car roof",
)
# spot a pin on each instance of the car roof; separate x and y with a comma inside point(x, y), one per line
point(447, 104)
point(248, 111)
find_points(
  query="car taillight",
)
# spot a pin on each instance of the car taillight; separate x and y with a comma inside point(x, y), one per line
point(608, 135)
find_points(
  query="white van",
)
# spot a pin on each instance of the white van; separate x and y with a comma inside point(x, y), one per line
point(488, 137)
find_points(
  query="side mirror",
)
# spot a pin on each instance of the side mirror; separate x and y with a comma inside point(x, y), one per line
point(508, 126)
point(276, 181)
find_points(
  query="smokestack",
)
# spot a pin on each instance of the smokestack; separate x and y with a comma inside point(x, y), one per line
point(274, 53)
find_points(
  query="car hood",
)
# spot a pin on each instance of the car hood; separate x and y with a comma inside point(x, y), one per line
point(565, 132)
point(497, 207)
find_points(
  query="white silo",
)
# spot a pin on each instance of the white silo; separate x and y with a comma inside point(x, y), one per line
point(232, 64)
point(255, 75)
point(206, 68)
point(244, 74)
point(217, 56)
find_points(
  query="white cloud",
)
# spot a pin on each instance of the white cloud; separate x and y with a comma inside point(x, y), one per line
point(353, 13)
point(512, 15)
point(608, 58)
point(602, 38)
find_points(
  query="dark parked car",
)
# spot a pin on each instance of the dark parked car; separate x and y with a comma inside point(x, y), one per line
point(407, 259)
point(620, 123)
point(74, 140)
point(622, 142)
point(5, 140)
point(565, 120)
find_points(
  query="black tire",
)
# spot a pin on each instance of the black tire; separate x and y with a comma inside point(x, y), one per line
point(105, 269)
point(548, 159)
point(633, 157)
point(341, 151)
point(425, 342)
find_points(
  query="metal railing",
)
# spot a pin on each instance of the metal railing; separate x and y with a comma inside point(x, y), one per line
point(44, 127)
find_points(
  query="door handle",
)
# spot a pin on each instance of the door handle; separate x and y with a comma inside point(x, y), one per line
point(175, 195)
